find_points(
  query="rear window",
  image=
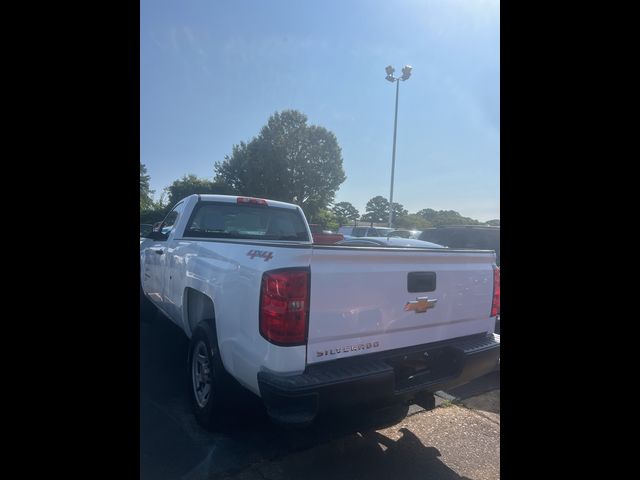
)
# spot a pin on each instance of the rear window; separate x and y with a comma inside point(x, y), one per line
point(232, 220)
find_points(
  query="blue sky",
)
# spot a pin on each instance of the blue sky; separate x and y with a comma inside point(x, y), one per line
point(212, 72)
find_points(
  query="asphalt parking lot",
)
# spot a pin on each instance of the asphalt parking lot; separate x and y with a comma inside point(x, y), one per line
point(451, 442)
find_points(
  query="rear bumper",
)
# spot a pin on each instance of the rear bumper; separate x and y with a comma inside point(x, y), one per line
point(379, 378)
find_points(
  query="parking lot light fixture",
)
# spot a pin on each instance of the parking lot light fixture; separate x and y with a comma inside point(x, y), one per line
point(406, 73)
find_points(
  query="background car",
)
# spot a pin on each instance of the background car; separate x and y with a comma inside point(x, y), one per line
point(405, 233)
point(388, 242)
point(467, 236)
point(482, 237)
point(324, 236)
point(349, 232)
point(346, 230)
point(399, 233)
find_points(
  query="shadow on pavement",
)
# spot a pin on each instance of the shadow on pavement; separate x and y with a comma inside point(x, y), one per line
point(368, 455)
point(174, 446)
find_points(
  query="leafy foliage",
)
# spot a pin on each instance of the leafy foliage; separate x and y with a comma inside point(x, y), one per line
point(345, 212)
point(378, 210)
point(326, 218)
point(398, 212)
point(412, 221)
point(446, 217)
point(292, 162)
point(289, 160)
point(156, 211)
point(190, 184)
point(153, 215)
point(146, 199)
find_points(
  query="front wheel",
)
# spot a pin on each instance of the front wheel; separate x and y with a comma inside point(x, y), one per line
point(211, 385)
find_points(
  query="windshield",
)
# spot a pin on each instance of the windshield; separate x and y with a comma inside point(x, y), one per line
point(231, 220)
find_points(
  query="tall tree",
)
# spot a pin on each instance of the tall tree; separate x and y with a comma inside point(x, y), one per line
point(326, 218)
point(190, 184)
point(156, 211)
point(345, 212)
point(446, 217)
point(398, 212)
point(413, 222)
point(146, 201)
point(378, 210)
point(289, 160)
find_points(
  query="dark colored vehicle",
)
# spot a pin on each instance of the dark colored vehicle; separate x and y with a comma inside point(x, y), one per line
point(465, 236)
point(483, 237)
point(324, 236)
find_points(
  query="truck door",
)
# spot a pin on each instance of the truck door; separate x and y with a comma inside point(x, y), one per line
point(155, 259)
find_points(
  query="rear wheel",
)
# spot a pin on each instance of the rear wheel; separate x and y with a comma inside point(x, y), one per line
point(211, 386)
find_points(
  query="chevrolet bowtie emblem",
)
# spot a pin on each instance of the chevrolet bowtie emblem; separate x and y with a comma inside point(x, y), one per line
point(420, 305)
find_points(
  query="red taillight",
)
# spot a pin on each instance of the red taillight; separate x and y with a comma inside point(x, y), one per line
point(495, 305)
point(284, 306)
point(252, 201)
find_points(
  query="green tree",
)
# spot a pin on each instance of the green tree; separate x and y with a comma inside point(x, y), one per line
point(190, 184)
point(495, 223)
point(289, 160)
point(345, 211)
point(146, 199)
point(446, 217)
point(156, 211)
point(378, 211)
point(326, 218)
point(398, 213)
point(413, 222)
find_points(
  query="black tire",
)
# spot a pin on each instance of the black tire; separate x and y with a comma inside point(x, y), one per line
point(209, 410)
point(147, 309)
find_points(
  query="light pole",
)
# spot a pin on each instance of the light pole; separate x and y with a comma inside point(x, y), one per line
point(406, 73)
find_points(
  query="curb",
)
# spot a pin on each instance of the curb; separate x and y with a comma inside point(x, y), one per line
point(444, 396)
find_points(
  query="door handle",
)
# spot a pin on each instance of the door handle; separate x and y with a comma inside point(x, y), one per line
point(159, 252)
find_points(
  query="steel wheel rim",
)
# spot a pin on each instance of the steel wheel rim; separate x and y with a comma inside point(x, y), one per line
point(201, 374)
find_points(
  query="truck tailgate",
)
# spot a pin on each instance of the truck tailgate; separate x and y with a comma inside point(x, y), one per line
point(359, 298)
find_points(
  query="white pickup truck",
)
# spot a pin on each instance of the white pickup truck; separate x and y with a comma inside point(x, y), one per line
point(312, 327)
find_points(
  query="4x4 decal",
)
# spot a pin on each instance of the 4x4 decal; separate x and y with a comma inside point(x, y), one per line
point(267, 255)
